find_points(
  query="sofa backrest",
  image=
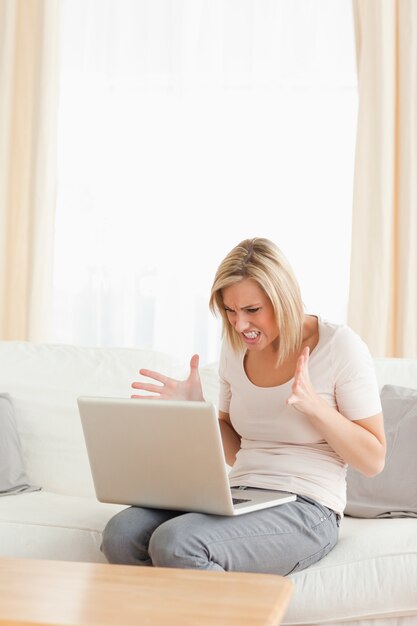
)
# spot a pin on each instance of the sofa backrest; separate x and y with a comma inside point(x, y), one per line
point(396, 372)
point(45, 380)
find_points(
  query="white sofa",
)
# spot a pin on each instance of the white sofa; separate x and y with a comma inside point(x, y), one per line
point(369, 579)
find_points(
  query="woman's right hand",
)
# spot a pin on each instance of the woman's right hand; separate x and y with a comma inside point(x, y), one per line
point(171, 389)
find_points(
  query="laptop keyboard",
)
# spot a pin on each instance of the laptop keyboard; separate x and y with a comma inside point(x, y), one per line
point(239, 500)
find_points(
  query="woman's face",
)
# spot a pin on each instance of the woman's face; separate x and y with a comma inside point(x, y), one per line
point(250, 312)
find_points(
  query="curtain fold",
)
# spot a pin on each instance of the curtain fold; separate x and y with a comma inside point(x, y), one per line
point(383, 279)
point(28, 115)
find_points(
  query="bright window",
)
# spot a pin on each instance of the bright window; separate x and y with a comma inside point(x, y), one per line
point(185, 127)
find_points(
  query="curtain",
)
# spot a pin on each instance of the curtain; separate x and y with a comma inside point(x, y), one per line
point(185, 127)
point(383, 283)
point(28, 113)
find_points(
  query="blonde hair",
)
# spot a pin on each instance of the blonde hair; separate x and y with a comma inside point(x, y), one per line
point(262, 261)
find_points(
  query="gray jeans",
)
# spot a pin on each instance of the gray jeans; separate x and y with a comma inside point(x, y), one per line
point(280, 540)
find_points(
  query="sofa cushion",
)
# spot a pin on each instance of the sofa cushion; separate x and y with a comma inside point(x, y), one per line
point(13, 476)
point(47, 525)
point(369, 574)
point(393, 492)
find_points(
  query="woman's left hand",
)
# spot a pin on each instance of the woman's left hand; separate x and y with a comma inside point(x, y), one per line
point(170, 388)
point(303, 397)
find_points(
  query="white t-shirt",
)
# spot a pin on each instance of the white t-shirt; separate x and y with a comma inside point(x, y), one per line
point(280, 448)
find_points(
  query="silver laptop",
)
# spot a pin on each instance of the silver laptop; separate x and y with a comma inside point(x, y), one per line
point(163, 454)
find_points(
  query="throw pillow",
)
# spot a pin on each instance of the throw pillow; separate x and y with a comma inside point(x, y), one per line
point(13, 477)
point(393, 492)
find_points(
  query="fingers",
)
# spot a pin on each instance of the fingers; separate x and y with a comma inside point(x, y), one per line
point(294, 391)
point(148, 387)
point(155, 375)
point(301, 378)
point(299, 369)
point(194, 376)
point(169, 388)
point(302, 362)
point(194, 361)
point(133, 396)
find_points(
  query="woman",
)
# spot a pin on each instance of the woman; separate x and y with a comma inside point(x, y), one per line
point(298, 402)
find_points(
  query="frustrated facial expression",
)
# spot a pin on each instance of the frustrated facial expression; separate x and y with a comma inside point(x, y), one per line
point(250, 312)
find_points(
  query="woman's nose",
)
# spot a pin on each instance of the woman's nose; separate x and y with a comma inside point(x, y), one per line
point(241, 323)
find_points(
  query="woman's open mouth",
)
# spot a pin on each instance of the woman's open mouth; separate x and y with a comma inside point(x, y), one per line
point(251, 336)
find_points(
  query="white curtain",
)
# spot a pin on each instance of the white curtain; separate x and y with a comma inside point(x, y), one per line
point(28, 115)
point(383, 288)
point(184, 128)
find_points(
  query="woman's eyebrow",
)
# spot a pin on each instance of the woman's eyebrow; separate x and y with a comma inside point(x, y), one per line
point(242, 308)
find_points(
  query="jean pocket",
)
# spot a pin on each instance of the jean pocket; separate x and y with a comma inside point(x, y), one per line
point(310, 560)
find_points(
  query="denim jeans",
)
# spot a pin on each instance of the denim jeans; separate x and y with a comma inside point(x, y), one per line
point(280, 540)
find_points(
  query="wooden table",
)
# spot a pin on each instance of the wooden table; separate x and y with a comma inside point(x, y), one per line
point(61, 592)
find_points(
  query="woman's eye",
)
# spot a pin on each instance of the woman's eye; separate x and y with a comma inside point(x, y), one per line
point(253, 310)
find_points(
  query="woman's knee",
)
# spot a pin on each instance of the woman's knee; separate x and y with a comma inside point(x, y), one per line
point(114, 538)
point(173, 544)
point(124, 539)
point(163, 546)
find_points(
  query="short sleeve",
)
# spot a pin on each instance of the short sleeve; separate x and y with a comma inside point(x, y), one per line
point(225, 393)
point(356, 386)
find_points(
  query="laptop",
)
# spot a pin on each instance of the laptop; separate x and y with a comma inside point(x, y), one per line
point(164, 454)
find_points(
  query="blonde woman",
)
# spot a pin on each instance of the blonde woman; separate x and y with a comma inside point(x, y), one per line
point(298, 402)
